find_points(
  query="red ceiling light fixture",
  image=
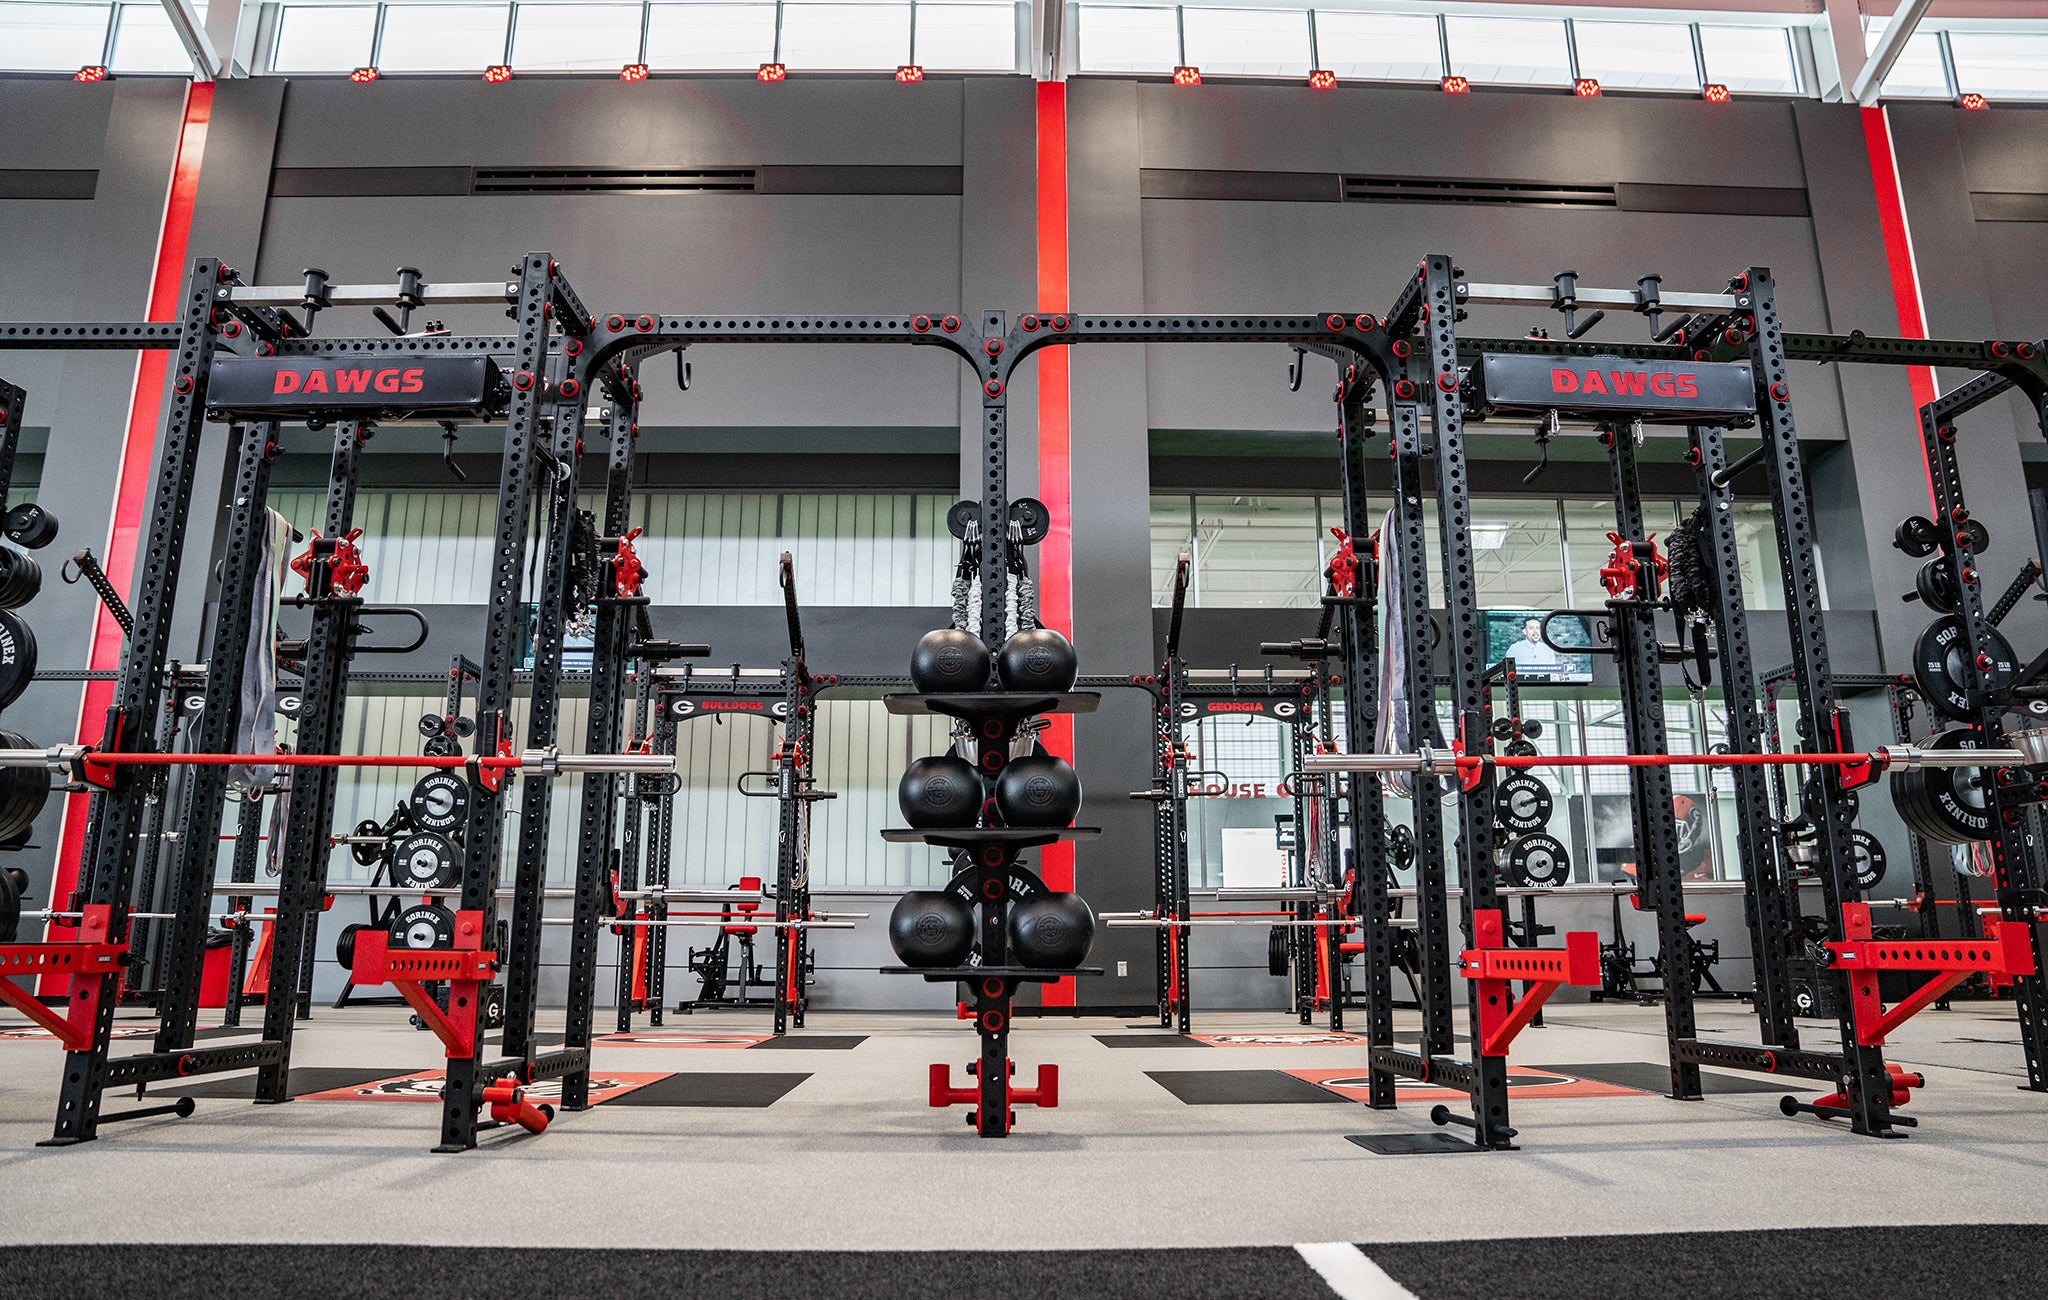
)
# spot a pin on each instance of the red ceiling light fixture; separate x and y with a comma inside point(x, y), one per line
point(633, 72)
point(1322, 79)
point(1973, 100)
point(1187, 74)
point(772, 72)
point(1714, 93)
point(498, 74)
point(91, 72)
point(1456, 85)
point(1586, 88)
point(909, 73)
point(363, 76)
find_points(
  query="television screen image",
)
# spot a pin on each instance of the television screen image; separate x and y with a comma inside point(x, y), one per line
point(1516, 634)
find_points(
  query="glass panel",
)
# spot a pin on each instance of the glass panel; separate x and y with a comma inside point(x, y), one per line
point(710, 36)
point(2001, 65)
point(1379, 47)
point(1647, 56)
point(1919, 72)
point(845, 36)
point(443, 38)
point(1246, 42)
point(592, 36)
point(1756, 60)
point(1756, 555)
point(1521, 51)
point(322, 38)
point(52, 38)
point(1172, 533)
point(967, 38)
point(1128, 40)
point(145, 41)
point(1518, 554)
point(1257, 553)
point(1245, 765)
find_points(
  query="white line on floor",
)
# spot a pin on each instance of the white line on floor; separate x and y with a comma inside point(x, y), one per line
point(1350, 1272)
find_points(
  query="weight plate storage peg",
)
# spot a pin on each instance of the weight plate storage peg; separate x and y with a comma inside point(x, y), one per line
point(423, 925)
point(424, 860)
point(1866, 859)
point(439, 802)
point(1943, 665)
point(1522, 803)
point(1540, 860)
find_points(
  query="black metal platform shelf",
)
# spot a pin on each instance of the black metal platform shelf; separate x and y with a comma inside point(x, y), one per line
point(971, 837)
point(951, 974)
point(995, 704)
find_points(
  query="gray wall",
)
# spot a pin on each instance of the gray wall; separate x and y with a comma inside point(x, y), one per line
point(1690, 181)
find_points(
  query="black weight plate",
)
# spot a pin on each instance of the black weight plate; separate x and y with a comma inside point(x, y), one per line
point(1532, 728)
point(960, 516)
point(20, 579)
point(439, 801)
point(1032, 519)
point(17, 657)
point(1866, 859)
point(1934, 585)
point(432, 725)
point(1539, 860)
point(13, 880)
point(423, 925)
point(28, 524)
point(1520, 749)
point(1401, 844)
point(1944, 803)
point(23, 791)
point(1980, 536)
point(1522, 803)
point(366, 855)
point(345, 945)
point(1941, 668)
point(1915, 535)
point(1503, 728)
point(442, 747)
point(424, 860)
point(1276, 951)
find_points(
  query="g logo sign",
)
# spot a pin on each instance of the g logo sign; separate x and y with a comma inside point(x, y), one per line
point(683, 708)
point(1285, 709)
point(1187, 710)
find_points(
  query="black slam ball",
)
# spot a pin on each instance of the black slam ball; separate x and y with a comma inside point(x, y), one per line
point(931, 927)
point(949, 662)
point(1037, 659)
point(1051, 931)
point(940, 793)
point(1038, 790)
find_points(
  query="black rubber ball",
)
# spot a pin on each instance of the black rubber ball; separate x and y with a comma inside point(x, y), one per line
point(930, 927)
point(1038, 790)
point(939, 793)
point(1052, 931)
point(1037, 659)
point(949, 662)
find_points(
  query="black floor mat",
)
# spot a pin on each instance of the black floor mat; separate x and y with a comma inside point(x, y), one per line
point(305, 1079)
point(1657, 1078)
point(1242, 1088)
point(1154, 1039)
point(385, 1272)
point(815, 1042)
point(1411, 1144)
point(724, 1089)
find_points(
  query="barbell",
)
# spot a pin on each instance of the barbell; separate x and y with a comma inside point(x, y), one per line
point(539, 762)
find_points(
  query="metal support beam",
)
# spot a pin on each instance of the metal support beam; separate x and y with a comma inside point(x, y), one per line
point(1869, 83)
point(191, 29)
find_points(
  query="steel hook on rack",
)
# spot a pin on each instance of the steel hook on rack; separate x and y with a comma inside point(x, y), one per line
point(1296, 369)
point(1544, 433)
point(1564, 298)
point(1649, 304)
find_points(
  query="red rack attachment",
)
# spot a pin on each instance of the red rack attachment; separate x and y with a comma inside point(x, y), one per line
point(509, 1105)
point(2002, 953)
point(465, 967)
point(1496, 966)
point(943, 1093)
point(85, 961)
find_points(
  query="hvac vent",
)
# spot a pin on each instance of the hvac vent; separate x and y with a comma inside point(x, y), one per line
point(1520, 194)
point(613, 180)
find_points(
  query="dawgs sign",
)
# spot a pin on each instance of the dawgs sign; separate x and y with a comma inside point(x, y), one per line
point(1677, 392)
point(413, 385)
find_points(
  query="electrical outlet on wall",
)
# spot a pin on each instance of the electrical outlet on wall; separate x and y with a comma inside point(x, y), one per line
point(1123, 968)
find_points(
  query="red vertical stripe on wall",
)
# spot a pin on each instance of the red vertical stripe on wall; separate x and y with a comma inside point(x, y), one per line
point(138, 455)
point(1898, 255)
point(1055, 483)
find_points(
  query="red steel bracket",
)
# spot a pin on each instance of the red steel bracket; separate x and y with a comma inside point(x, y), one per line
point(1496, 966)
point(509, 1105)
point(465, 967)
point(943, 1093)
point(2003, 952)
point(85, 962)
